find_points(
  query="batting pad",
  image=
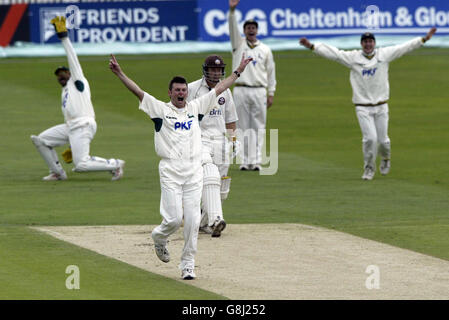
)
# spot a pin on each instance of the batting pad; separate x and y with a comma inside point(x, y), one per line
point(225, 187)
point(211, 201)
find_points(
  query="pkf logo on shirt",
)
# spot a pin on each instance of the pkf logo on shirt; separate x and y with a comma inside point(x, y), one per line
point(369, 72)
point(184, 125)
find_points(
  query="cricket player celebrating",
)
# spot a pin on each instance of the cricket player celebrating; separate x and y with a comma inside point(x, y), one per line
point(371, 91)
point(177, 140)
point(80, 127)
point(215, 125)
point(250, 92)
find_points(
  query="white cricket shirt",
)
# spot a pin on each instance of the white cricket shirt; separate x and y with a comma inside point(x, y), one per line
point(75, 96)
point(261, 71)
point(368, 77)
point(213, 124)
point(177, 131)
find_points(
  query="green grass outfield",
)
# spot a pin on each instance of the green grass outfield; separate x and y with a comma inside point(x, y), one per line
point(318, 181)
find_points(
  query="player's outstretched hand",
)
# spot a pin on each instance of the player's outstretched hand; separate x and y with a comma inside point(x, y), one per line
point(233, 4)
point(305, 42)
point(244, 63)
point(226, 83)
point(430, 33)
point(114, 66)
point(60, 27)
point(131, 85)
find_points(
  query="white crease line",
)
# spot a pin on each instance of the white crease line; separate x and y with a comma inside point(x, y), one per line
point(51, 232)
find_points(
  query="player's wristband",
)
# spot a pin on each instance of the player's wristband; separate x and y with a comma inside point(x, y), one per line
point(312, 47)
point(62, 35)
point(237, 73)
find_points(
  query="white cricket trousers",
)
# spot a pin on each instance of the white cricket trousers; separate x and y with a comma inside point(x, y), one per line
point(374, 125)
point(79, 139)
point(251, 105)
point(181, 187)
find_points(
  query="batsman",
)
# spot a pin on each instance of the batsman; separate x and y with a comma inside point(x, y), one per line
point(219, 145)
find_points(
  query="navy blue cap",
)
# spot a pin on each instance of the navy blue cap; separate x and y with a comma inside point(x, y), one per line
point(61, 68)
point(367, 35)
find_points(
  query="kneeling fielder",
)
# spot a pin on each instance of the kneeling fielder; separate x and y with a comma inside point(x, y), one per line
point(80, 127)
point(177, 140)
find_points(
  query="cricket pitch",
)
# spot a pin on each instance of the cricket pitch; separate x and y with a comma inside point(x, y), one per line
point(277, 261)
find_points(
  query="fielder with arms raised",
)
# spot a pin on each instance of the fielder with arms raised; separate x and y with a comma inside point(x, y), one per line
point(80, 127)
point(250, 91)
point(371, 91)
point(218, 137)
point(177, 140)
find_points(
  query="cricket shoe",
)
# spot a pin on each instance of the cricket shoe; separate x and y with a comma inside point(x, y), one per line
point(188, 274)
point(162, 252)
point(218, 227)
point(384, 167)
point(368, 174)
point(256, 167)
point(206, 229)
point(55, 177)
point(117, 174)
point(244, 167)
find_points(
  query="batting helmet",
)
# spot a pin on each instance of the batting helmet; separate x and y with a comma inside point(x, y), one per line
point(213, 61)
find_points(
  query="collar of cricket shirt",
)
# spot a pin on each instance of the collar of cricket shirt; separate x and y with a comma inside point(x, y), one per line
point(175, 108)
point(370, 55)
point(252, 45)
point(206, 85)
